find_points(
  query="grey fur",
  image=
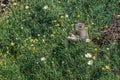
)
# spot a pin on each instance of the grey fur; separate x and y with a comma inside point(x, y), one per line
point(79, 34)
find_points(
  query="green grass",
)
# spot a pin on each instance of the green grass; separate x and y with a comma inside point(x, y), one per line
point(34, 45)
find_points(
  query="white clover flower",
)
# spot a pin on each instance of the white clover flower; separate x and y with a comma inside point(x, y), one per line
point(90, 62)
point(43, 58)
point(108, 49)
point(21, 27)
point(88, 55)
point(88, 40)
point(66, 16)
point(38, 34)
point(45, 7)
point(27, 7)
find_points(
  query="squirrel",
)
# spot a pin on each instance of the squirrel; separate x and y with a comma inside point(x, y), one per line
point(79, 34)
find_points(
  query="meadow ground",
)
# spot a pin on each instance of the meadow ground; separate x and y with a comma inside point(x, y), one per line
point(34, 45)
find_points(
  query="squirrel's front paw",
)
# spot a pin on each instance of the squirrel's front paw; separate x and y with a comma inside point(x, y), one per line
point(72, 37)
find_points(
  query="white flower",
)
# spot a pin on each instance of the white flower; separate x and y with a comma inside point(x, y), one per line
point(66, 16)
point(90, 62)
point(21, 27)
point(38, 34)
point(27, 7)
point(45, 7)
point(43, 58)
point(88, 55)
point(108, 49)
point(88, 40)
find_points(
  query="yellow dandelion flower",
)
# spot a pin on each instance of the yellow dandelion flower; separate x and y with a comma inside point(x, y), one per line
point(61, 16)
point(107, 67)
point(14, 4)
point(12, 44)
point(94, 57)
point(78, 16)
point(96, 49)
point(98, 38)
point(86, 28)
point(103, 68)
point(7, 52)
point(54, 21)
point(106, 26)
point(31, 40)
point(57, 25)
point(0, 62)
point(0, 53)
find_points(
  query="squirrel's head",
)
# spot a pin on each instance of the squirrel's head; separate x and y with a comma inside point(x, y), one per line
point(79, 26)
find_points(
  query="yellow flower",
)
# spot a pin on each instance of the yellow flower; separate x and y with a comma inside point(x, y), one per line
point(14, 4)
point(27, 7)
point(0, 53)
point(31, 40)
point(61, 16)
point(94, 57)
point(57, 25)
point(0, 62)
point(78, 16)
point(106, 26)
point(7, 52)
point(36, 40)
point(12, 44)
point(107, 67)
point(54, 21)
point(103, 68)
point(98, 38)
point(95, 49)
point(86, 28)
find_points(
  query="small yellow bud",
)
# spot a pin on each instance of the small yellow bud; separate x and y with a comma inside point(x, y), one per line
point(12, 44)
point(78, 16)
point(54, 21)
point(106, 26)
point(103, 68)
point(0, 62)
point(98, 38)
point(95, 49)
point(14, 4)
point(94, 57)
point(61, 16)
